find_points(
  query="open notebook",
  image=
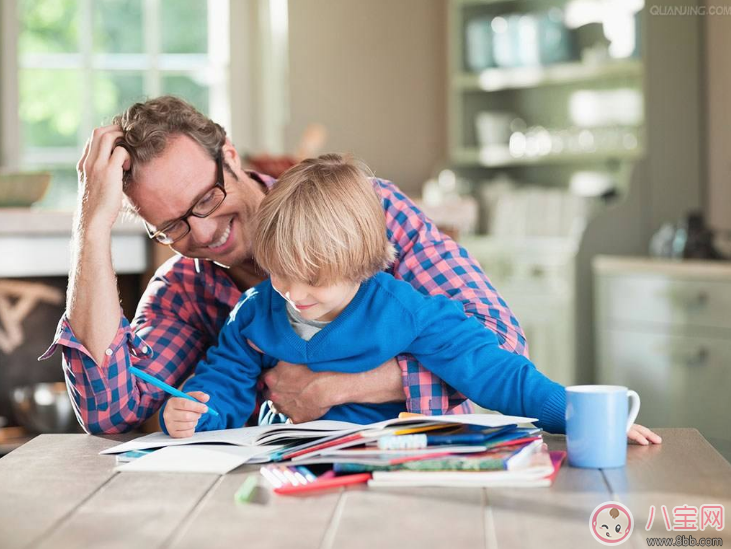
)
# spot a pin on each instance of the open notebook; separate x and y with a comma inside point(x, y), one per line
point(313, 430)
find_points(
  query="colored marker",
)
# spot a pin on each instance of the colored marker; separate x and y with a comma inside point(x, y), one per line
point(335, 482)
point(247, 490)
point(271, 477)
point(167, 388)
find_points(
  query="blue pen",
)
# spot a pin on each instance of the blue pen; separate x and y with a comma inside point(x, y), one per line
point(167, 388)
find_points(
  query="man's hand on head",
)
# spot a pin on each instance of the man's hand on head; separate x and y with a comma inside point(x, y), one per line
point(100, 170)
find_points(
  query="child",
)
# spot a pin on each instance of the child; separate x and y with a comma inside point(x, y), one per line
point(328, 304)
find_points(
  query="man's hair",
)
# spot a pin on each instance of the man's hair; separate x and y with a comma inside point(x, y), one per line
point(148, 126)
point(322, 223)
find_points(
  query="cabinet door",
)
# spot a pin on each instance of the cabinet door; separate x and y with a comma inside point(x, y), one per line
point(547, 323)
point(683, 381)
point(663, 301)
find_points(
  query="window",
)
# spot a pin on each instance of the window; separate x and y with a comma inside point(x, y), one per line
point(80, 62)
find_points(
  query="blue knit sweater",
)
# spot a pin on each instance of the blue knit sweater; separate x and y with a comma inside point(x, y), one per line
point(386, 318)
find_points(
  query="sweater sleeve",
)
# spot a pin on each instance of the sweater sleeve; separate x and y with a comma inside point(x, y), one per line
point(460, 351)
point(228, 374)
point(434, 264)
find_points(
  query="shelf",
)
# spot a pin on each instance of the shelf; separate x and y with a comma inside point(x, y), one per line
point(491, 80)
point(475, 157)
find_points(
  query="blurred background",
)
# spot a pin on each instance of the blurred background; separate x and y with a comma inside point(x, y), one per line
point(578, 148)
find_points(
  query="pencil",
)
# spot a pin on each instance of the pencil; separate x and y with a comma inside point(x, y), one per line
point(167, 388)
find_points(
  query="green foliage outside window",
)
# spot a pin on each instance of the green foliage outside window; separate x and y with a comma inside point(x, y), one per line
point(51, 99)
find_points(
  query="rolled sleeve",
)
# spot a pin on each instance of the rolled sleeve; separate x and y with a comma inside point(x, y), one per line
point(427, 394)
point(95, 388)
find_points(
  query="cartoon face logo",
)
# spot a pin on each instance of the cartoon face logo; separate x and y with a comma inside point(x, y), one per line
point(611, 523)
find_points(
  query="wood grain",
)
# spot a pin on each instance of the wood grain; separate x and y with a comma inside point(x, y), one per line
point(43, 481)
point(268, 521)
point(548, 517)
point(684, 470)
point(56, 491)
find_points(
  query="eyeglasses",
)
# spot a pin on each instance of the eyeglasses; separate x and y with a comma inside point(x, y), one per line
point(205, 206)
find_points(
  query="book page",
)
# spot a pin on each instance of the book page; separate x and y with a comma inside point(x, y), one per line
point(200, 458)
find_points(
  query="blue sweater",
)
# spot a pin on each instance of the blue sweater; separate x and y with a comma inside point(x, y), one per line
point(386, 318)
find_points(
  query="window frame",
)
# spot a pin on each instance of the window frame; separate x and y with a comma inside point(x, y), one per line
point(153, 64)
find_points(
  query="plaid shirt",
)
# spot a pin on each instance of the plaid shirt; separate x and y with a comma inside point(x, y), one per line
point(185, 306)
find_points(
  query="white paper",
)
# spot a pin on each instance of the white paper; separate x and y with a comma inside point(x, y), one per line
point(200, 458)
point(483, 420)
point(245, 436)
point(270, 434)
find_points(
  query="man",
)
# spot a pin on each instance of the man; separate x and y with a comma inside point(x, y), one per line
point(185, 180)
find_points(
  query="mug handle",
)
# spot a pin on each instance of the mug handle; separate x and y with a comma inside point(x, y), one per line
point(635, 408)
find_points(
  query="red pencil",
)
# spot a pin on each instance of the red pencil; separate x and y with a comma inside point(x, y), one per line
point(334, 482)
point(321, 446)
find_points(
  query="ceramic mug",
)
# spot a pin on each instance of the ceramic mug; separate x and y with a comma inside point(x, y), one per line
point(597, 422)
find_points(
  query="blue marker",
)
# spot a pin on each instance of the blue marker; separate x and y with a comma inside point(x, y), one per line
point(167, 388)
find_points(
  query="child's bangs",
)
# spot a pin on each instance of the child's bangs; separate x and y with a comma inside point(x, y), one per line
point(304, 250)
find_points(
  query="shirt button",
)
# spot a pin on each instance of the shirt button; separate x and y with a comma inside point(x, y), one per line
point(108, 352)
point(145, 349)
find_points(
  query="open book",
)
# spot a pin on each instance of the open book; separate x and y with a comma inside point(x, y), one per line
point(314, 431)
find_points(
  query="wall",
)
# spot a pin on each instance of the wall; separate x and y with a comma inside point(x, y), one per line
point(718, 90)
point(9, 146)
point(374, 73)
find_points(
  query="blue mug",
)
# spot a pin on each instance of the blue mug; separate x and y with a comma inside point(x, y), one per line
point(597, 422)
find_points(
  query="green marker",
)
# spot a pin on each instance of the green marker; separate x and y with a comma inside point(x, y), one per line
point(246, 492)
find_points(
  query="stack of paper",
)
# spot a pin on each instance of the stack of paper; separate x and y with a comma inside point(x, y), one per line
point(460, 451)
point(453, 450)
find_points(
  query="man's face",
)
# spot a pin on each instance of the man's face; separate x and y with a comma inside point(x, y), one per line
point(167, 186)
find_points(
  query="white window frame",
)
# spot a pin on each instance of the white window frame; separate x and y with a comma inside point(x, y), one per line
point(215, 65)
point(9, 121)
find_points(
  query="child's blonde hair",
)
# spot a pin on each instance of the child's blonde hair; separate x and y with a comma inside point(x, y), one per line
point(322, 223)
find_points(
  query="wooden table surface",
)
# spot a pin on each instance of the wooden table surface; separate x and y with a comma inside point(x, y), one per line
point(57, 492)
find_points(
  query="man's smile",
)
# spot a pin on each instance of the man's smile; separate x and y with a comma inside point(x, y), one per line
point(219, 244)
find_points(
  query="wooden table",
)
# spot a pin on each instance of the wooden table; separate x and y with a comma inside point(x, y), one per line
point(56, 491)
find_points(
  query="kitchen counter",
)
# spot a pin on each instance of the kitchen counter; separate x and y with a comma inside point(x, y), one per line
point(37, 243)
point(685, 268)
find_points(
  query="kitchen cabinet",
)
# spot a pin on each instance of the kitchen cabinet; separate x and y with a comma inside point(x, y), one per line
point(663, 328)
point(535, 278)
point(654, 171)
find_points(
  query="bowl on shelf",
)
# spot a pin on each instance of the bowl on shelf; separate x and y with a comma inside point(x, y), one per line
point(20, 190)
point(44, 408)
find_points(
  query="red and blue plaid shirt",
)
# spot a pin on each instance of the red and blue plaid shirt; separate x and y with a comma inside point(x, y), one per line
point(185, 306)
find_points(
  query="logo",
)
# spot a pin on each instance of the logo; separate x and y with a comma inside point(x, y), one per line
point(611, 523)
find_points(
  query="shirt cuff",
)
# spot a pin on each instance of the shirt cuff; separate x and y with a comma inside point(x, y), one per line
point(89, 379)
point(425, 393)
point(65, 337)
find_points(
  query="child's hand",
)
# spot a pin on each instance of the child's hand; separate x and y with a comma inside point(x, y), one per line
point(642, 435)
point(181, 415)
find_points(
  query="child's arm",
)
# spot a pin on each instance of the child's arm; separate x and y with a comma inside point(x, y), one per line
point(433, 263)
point(460, 351)
point(227, 375)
